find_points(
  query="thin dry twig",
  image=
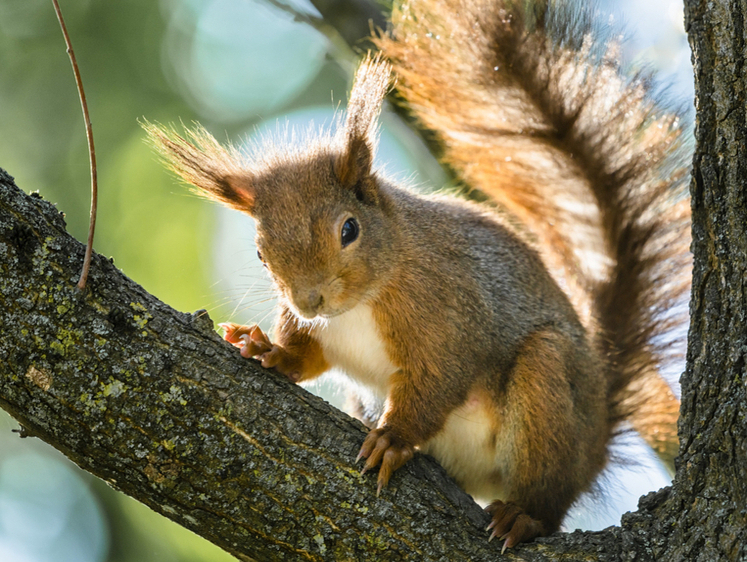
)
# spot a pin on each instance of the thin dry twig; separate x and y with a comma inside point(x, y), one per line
point(91, 150)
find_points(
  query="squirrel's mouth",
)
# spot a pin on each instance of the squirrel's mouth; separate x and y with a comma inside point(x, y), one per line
point(324, 304)
point(323, 313)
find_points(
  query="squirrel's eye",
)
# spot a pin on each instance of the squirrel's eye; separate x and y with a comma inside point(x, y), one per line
point(259, 255)
point(349, 232)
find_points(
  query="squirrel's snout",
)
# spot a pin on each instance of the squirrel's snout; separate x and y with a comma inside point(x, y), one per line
point(309, 303)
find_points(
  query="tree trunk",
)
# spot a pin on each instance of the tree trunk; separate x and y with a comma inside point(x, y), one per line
point(704, 515)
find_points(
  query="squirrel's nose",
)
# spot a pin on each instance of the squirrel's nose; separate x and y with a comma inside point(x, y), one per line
point(309, 302)
point(315, 299)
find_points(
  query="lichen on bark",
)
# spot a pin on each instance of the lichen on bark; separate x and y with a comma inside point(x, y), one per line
point(155, 403)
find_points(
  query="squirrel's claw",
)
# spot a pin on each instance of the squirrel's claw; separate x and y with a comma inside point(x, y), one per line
point(239, 335)
point(232, 332)
point(511, 523)
point(382, 446)
point(253, 343)
point(279, 359)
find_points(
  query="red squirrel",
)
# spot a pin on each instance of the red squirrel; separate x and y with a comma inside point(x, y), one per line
point(510, 346)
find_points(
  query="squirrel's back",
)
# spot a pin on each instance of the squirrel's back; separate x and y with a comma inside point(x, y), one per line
point(468, 252)
point(531, 108)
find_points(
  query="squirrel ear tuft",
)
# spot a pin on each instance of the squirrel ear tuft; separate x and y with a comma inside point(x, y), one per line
point(353, 165)
point(199, 159)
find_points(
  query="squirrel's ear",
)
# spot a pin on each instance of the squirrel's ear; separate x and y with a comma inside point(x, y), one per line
point(353, 165)
point(199, 159)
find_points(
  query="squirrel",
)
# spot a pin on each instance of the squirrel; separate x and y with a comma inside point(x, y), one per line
point(510, 345)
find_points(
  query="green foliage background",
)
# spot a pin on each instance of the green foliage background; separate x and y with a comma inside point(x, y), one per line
point(118, 46)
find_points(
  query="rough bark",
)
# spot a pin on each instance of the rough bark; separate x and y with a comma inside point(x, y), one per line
point(704, 515)
point(155, 403)
point(712, 483)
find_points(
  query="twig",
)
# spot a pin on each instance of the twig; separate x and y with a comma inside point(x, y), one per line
point(341, 50)
point(91, 150)
point(23, 432)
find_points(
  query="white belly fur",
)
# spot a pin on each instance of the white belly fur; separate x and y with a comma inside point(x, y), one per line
point(464, 447)
point(352, 344)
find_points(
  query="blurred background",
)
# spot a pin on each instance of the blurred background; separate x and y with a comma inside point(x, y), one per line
point(242, 68)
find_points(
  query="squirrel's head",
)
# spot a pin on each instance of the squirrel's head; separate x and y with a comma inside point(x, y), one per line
point(321, 216)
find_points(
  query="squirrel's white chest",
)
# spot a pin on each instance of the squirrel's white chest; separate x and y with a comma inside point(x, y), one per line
point(351, 343)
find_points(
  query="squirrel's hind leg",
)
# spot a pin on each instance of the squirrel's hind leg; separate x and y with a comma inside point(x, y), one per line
point(553, 396)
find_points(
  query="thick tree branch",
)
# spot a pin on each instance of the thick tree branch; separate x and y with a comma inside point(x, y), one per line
point(155, 403)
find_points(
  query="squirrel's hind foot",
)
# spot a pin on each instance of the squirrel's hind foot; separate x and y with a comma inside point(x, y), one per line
point(512, 524)
point(383, 446)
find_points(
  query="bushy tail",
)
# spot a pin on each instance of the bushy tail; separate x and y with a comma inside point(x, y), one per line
point(533, 110)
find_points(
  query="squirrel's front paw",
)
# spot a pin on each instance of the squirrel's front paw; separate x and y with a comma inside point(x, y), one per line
point(383, 446)
point(254, 343)
point(511, 523)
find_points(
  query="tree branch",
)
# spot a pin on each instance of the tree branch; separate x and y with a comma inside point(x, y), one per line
point(155, 403)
